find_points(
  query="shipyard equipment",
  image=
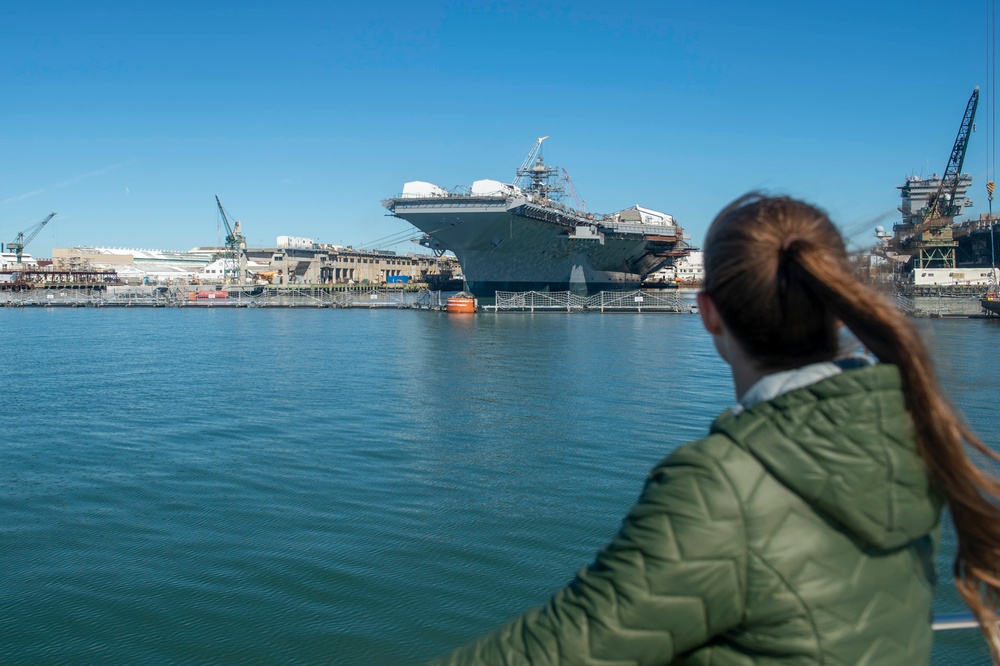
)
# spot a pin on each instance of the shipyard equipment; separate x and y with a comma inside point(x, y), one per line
point(928, 230)
point(942, 205)
point(234, 258)
point(581, 205)
point(20, 242)
point(522, 179)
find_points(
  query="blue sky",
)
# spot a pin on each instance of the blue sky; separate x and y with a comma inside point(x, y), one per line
point(128, 120)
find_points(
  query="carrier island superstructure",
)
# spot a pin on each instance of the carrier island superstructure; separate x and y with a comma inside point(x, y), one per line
point(519, 237)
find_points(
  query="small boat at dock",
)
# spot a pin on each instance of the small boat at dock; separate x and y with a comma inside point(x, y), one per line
point(991, 304)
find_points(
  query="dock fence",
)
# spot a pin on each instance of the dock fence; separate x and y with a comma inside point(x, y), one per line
point(148, 296)
point(605, 301)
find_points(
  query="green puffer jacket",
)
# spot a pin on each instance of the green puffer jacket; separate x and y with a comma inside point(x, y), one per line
point(800, 531)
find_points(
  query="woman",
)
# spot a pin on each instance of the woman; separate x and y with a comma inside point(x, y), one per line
point(803, 528)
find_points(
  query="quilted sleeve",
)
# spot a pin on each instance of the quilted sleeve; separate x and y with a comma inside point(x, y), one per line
point(674, 577)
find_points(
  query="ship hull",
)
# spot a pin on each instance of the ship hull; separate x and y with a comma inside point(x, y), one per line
point(501, 248)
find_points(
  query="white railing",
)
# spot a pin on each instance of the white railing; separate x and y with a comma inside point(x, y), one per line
point(952, 621)
point(291, 298)
point(605, 301)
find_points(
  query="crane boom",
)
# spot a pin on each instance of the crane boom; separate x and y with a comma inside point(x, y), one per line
point(232, 229)
point(20, 241)
point(941, 207)
point(581, 205)
point(234, 257)
point(942, 203)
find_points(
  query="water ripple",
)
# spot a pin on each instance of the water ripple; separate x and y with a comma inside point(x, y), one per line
point(349, 486)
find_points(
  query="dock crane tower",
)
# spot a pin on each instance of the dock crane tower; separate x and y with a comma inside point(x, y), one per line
point(935, 244)
point(20, 241)
point(234, 258)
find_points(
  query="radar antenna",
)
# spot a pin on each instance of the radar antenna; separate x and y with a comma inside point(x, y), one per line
point(523, 177)
point(537, 179)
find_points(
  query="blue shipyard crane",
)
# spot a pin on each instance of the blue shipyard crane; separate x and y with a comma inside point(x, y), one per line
point(234, 256)
point(942, 203)
point(935, 240)
point(20, 241)
point(932, 236)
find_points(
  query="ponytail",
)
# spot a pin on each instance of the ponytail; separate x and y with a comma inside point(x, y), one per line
point(788, 258)
point(971, 493)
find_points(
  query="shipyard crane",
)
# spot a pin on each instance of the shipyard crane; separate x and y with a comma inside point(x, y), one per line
point(234, 257)
point(20, 241)
point(941, 205)
point(581, 205)
point(932, 237)
point(953, 172)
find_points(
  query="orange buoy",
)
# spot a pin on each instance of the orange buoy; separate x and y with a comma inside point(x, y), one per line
point(461, 305)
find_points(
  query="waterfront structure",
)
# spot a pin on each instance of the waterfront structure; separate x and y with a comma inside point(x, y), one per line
point(978, 241)
point(298, 261)
point(952, 258)
point(329, 264)
point(977, 278)
point(688, 270)
point(930, 245)
point(519, 237)
point(225, 269)
point(136, 265)
point(9, 260)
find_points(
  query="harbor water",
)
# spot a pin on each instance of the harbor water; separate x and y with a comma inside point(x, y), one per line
point(359, 486)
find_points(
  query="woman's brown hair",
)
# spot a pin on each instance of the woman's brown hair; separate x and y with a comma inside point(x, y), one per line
point(777, 270)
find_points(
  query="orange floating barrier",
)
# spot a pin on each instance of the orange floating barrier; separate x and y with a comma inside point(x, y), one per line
point(461, 305)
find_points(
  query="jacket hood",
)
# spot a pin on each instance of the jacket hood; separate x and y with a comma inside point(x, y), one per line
point(847, 446)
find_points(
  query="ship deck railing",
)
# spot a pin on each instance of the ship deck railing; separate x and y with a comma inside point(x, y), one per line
point(953, 621)
point(605, 301)
point(641, 229)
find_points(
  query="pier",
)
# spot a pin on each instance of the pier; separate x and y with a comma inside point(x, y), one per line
point(636, 301)
point(230, 297)
point(364, 296)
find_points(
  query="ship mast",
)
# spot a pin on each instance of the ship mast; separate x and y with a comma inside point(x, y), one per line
point(521, 179)
point(536, 178)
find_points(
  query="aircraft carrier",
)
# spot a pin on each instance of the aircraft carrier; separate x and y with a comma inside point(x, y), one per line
point(519, 237)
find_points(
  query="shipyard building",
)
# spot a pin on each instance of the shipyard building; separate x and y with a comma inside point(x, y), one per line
point(292, 261)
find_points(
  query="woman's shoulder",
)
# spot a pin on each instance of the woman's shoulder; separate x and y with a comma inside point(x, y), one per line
point(712, 451)
point(714, 461)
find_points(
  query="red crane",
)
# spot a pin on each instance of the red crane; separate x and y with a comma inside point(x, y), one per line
point(581, 205)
